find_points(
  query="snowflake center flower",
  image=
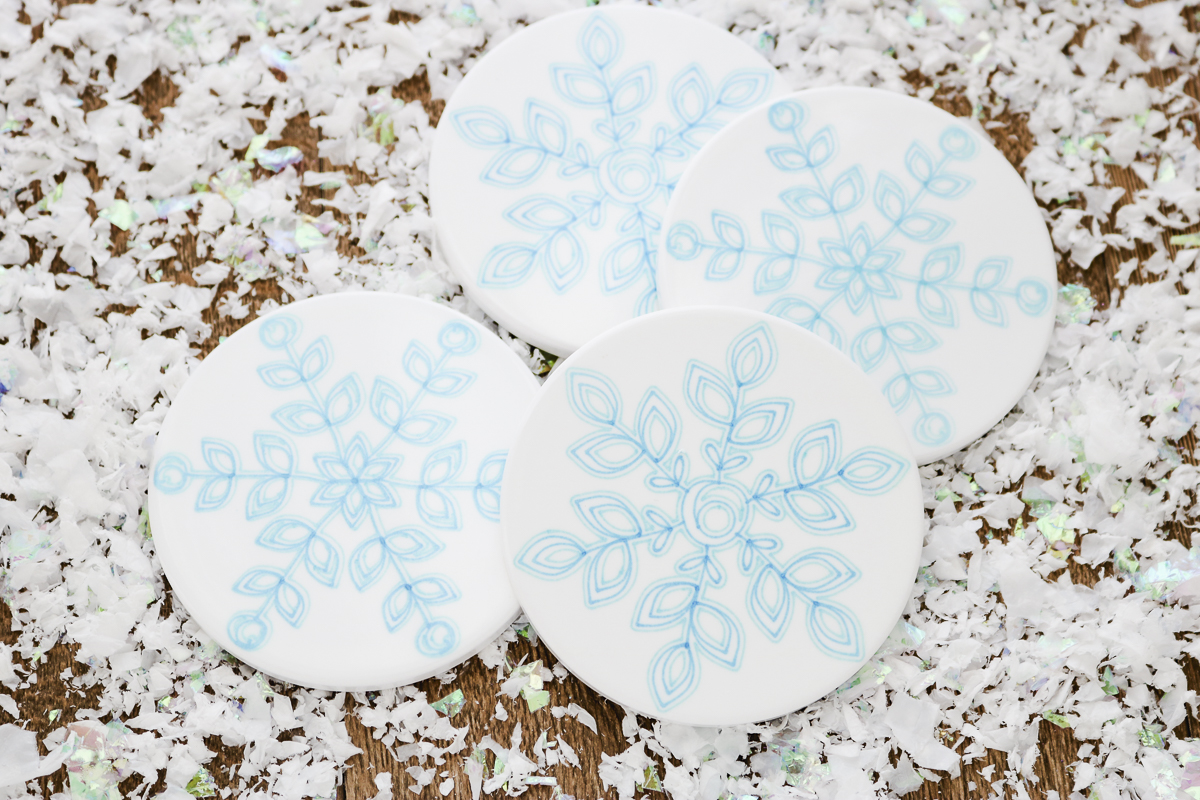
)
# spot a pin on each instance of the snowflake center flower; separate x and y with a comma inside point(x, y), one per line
point(714, 514)
point(630, 176)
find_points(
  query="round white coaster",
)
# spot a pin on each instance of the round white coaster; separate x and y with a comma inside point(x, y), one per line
point(325, 494)
point(556, 155)
point(890, 229)
point(712, 516)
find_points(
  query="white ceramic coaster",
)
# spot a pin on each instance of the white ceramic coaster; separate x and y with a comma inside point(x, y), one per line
point(325, 492)
point(556, 155)
point(712, 516)
point(890, 229)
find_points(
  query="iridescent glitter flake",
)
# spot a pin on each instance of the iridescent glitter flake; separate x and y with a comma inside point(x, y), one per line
point(96, 759)
point(202, 784)
point(279, 158)
point(1076, 304)
point(120, 214)
point(449, 705)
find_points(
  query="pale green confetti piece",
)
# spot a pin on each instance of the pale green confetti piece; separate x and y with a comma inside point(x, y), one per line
point(465, 13)
point(1164, 577)
point(943, 494)
point(1106, 681)
point(202, 784)
point(1125, 561)
point(766, 42)
point(197, 681)
point(1141, 119)
point(1186, 239)
point(121, 214)
point(1019, 528)
point(164, 703)
point(536, 699)
point(449, 705)
point(800, 767)
point(1055, 528)
point(650, 781)
point(11, 125)
point(144, 522)
point(44, 203)
point(1056, 719)
point(1151, 736)
point(95, 758)
point(952, 11)
point(1077, 304)
point(279, 158)
point(53, 714)
point(917, 19)
point(1166, 171)
point(231, 183)
point(256, 146)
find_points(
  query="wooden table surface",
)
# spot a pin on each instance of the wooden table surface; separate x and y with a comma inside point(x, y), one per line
point(1058, 747)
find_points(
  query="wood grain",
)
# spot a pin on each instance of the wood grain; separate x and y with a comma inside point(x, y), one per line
point(52, 693)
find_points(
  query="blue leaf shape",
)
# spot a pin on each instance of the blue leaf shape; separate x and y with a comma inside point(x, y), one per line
point(847, 191)
point(316, 359)
point(258, 581)
point(437, 638)
point(949, 186)
point(387, 402)
point(924, 226)
point(931, 383)
point(507, 265)
point(751, 357)
point(450, 382)
point(438, 508)
point(674, 675)
point(551, 555)
point(708, 393)
point(435, 590)
point(274, 452)
point(267, 497)
point(285, 534)
point(941, 263)
point(717, 633)
point(761, 423)
point(816, 453)
point(664, 604)
point(623, 264)
point(770, 603)
point(412, 544)
point(988, 308)
point(818, 512)
point(487, 486)
point(911, 337)
point(541, 213)
point(344, 401)
point(820, 572)
point(609, 574)
point(806, 202)
point(782, 233)
point(936, 306)
point(482, 127)
point(323, 560)
point(515, 166)
point(547, 127)
point(172, 474)
point(822, 147)
point(724, 264)
point(301, 418)
point(835, 630)
point(787, 158)
point(600, 41)
point(991, 273)
point(220, 456)
point(418, 362)
point(657, 425)
point(214, 493)
point(744, 88)
point(898, 391)
point(918, 162)
point(291, 601)
point(872, 470)
point(443, 464)
point(729, 230)
point(368, 563)
point(632, 91)
point(279, 375)
point(870, 347)
point(578, 85)
point(774, 274)
point(564, 260)
point(690, 95)
point(609, 515)
point(593, 396)
point(890, 197)
point(397, 607)
point(607, 454)
point(425, 428)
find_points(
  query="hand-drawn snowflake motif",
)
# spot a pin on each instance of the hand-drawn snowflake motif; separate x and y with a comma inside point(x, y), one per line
point(860, 268)
point(358, 481)
point(630, 180)
point(714, 511)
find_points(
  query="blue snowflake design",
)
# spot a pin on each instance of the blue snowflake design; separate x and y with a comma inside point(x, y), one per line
point(714, 510)
point(863, 269)
point(627, 183)
point(358, 480)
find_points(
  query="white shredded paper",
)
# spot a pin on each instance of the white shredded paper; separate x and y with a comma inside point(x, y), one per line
point(997, 639)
